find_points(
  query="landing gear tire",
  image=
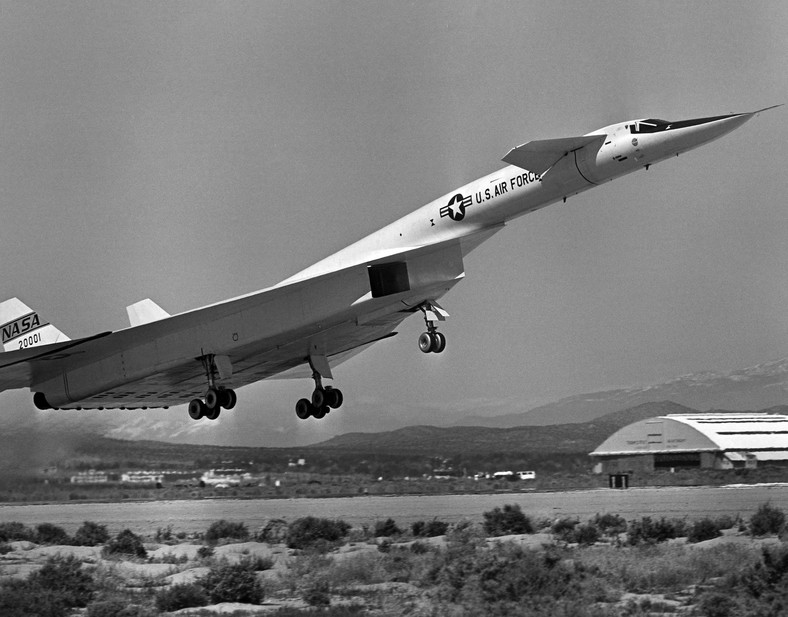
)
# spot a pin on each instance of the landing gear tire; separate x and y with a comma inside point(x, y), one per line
point(304, 409)
point(212, 399)
point(432, 342)
point(333, 397)
point(438, 342)
point(197, 409)
point(215, 400)
point(320, 412)
point(227, 399)
point(319, 397)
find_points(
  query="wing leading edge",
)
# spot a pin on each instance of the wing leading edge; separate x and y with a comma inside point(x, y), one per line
point(266, 334)
point(540, 155)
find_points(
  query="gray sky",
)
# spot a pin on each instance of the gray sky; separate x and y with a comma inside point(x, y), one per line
point(193, 151)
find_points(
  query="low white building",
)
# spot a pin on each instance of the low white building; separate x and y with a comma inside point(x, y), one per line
point(90, 477)
point(143, 477)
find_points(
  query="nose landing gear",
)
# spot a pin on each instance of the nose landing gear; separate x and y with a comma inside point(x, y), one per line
point(432, 341)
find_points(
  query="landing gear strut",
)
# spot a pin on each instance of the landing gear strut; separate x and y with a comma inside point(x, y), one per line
point(324, 398)
point(432, 341)
point(216, 397)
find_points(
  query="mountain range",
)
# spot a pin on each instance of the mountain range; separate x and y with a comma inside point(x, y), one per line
point(757, 387)
point(575, 437)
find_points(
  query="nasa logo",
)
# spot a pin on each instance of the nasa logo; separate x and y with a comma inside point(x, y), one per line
point(455, 209)
point(15, 329)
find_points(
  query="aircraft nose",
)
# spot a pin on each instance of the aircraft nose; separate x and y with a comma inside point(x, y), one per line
point(686, 135)
point(706, 129)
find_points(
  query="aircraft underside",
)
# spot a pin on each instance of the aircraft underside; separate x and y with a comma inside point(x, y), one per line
point(335, 308)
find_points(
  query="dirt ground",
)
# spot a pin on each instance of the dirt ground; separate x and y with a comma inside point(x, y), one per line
point(170, 564)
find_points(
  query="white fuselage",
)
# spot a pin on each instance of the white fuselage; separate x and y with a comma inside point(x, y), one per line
point(513, 191)
point(352, 298)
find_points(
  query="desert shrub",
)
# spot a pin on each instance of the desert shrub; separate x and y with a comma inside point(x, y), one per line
point(171, 559)
point(715, 604)
point(384, 546)
point(664, 567)
point(430, 529)
point(400, 564)
point(233, 583)
point(703, 529)
point(767, 520)
point(23, 599)
point(258, 563)
point(274, 532)
point(510, 580)
point(183, 595)
point(386, 528)
point(14, 531)
point(222, 529)
point(126, 543)
point(762, 586)
point(510, 520)
point(318, 593)
point(91, 534)
point(312, 532)
point(586, 534)
point(569, 530)
point(610, 524)
point(436, 528)
point(164, 535)
point(726, 521)
point(5, 548)
point(205, 552)
point(419, 548)
point(465, 537)
point(65, 576)
point(648, 531)
point(47, 533)
point(53, 591)
point(564, 529)
point(363, 568)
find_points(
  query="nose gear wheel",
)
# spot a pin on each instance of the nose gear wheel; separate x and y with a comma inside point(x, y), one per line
point(432, 341)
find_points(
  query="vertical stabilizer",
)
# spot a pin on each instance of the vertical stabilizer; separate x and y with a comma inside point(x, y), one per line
point(22, 327)
point(145, 311)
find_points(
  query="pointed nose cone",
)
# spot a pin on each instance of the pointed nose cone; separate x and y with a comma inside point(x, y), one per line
point(703, 130)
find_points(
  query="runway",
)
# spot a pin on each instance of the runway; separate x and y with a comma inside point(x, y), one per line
point(195, 516)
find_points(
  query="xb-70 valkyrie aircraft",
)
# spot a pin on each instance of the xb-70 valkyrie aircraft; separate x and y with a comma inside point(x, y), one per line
point(333, 309)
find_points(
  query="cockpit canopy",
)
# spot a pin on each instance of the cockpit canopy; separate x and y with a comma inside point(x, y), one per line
point(655, 125)
point(652, 125)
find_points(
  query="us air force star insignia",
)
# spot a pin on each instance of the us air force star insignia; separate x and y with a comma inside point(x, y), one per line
point(455, 209)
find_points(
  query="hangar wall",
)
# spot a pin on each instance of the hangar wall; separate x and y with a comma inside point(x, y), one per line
point(705, 441)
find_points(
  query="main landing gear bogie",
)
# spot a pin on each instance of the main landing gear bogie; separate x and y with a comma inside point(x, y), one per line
point(216, 399)
point(322, 402)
